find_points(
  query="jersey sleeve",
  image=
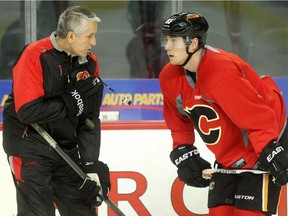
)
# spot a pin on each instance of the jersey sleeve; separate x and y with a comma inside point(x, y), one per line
point(245, 105)
point(182, 130)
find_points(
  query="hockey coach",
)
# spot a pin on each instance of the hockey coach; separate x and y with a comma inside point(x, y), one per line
point(55, 85)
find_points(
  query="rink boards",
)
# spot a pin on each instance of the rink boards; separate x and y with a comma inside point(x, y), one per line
point(144, 181)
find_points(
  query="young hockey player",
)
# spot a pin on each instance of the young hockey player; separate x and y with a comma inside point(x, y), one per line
point(55, 86)
point(239, 116)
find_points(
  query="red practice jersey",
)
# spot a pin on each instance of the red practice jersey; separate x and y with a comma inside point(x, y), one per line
point(236, 112)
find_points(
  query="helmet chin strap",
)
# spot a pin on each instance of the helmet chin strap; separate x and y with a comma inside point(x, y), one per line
point(189, 55)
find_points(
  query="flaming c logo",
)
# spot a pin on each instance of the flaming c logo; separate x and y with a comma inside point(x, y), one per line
point(194, 15)
point(82, 75)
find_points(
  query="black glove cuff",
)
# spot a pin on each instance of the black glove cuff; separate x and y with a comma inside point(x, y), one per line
point(274, 159)
point(269, 153)
point(181, 153)
point(101, 169)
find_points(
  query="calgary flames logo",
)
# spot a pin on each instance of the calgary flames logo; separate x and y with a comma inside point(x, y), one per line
point(82, 75)
point(193, 15)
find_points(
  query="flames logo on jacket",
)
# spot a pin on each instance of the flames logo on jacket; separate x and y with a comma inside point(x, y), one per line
point(82, 75)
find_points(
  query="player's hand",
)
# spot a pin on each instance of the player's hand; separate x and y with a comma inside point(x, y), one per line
point(102, 171)
point(85, 96)
point(274, 159)
point(190, 165)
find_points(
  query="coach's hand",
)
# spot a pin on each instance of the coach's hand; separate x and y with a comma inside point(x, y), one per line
point(274, 159)
point(190, 165)
point(84, 96)
point(90, 192)
point(102, 171)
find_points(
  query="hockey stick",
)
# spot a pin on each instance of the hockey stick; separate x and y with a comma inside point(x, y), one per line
point(74, 166)
point(207, 173)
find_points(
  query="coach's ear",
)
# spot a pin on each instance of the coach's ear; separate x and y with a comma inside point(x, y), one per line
point(71, 36)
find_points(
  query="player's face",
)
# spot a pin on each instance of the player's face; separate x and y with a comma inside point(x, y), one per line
point(176, 49)
point(81, 45)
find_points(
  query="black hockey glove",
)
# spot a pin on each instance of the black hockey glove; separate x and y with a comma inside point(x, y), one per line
point(274, 159)
point(102, 171)
point(190, 165)
point(90, 192)
point(85, 96)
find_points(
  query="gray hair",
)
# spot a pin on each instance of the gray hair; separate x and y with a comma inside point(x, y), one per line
point(75, 19)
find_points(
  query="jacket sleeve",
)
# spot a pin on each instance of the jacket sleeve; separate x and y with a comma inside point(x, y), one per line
point(89, 139)
point(89, 131)
point(28, 91)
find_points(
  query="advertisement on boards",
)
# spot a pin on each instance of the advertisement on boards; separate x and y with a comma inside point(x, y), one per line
point(145, 95)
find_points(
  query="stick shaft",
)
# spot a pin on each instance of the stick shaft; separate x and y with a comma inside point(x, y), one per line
point(233, 171)
point(73, 165)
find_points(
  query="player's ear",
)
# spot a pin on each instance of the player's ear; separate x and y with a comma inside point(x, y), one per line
point(195, 42)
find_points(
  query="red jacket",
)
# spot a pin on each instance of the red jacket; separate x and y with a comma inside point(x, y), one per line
point(235, 112)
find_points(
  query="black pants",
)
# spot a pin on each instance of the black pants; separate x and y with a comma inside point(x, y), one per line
point(244, 191)
point(44, 180)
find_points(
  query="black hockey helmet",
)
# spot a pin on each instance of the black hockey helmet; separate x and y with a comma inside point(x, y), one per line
point(187, 25)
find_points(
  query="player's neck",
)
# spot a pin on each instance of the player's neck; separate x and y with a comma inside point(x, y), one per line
point(193, 63)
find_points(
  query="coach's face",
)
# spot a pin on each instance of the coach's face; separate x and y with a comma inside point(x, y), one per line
point(81, 44)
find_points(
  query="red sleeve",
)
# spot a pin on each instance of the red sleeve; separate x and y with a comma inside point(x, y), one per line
point(96, 72)
point(182, 130)
point(27, 78)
